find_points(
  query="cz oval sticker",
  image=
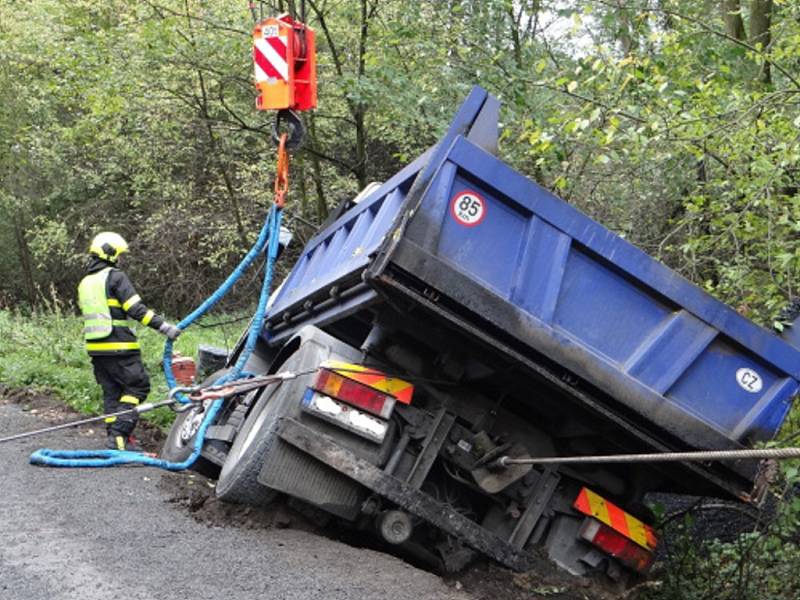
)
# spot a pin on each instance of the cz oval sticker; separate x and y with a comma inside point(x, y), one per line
point(468, 208)
point(749, 380)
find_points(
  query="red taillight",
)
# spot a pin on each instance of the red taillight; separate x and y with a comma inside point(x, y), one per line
point(356, 394)
point(615, 544)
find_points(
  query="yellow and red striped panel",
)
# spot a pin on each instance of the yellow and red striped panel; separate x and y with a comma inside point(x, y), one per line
point(612, 515)
point(401, 390)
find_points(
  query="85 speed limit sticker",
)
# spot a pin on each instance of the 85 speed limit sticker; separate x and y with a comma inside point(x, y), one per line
point(468, 208)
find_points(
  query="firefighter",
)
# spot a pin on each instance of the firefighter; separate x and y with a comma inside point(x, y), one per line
point(107, 299)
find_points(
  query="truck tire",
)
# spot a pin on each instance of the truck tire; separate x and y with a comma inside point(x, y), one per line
point(180, 441)
point(238, 479)
point(258, 440)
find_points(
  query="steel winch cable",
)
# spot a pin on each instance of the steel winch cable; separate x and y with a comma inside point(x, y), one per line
point(196, 394)
point(142, 408)
point(693, 456)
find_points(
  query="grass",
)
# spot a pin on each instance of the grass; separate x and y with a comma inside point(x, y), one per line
point(44, 351)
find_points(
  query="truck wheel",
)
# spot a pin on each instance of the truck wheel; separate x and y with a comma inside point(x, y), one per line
point(258, 441)
point(180, 441)
point(238, 480)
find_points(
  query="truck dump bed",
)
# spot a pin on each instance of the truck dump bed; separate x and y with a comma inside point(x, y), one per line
point(504, 256)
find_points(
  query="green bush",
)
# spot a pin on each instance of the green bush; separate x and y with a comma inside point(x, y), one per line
point(44, 351)
point(762, 564)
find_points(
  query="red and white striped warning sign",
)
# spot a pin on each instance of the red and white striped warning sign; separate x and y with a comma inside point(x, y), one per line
point(269, 56)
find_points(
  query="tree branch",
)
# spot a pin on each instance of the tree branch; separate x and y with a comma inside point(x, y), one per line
point(761, 54)
point(161, 10)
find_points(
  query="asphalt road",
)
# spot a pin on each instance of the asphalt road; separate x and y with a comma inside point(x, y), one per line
point(113, 533)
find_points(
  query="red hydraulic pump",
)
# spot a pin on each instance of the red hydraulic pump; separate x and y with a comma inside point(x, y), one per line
point(284, 55)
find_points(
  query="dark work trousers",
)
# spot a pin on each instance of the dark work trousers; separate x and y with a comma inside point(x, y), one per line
point(121, 376)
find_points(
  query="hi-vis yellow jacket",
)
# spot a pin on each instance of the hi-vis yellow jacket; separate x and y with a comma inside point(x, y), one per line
point(107, 299)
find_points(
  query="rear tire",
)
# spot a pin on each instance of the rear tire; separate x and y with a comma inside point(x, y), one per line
point(181, 438)
point(258, 441)
point(238, 479)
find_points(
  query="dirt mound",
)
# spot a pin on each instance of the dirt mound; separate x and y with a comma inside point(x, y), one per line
point(704, 518)
point(37, 403)
point(488, 581)
point(196, 493)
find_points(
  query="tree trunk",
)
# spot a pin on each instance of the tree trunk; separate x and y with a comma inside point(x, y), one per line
point(734, 24)
point(626, 32)
point(359, 110)
point(514, 23)
point(24, 257)
point(300, 167)
point(316, 170)
point(761, 34)
point(216, 154)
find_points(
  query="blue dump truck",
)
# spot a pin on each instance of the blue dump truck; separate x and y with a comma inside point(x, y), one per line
point(459, 312)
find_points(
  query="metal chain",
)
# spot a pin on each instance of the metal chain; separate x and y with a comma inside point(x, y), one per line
point(697, 456)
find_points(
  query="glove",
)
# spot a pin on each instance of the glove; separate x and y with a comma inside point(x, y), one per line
point(169, 330)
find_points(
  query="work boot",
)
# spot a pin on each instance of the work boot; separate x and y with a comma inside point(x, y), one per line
point(116, 441)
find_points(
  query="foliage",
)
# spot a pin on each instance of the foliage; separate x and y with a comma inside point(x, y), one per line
point(761, 563)
point(678, 145)
point(30, 358)
point(673, 122)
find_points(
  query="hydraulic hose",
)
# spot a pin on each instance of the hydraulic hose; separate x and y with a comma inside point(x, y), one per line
point(267, 239)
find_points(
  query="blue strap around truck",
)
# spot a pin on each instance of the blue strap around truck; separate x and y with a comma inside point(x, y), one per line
point(267, 240)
